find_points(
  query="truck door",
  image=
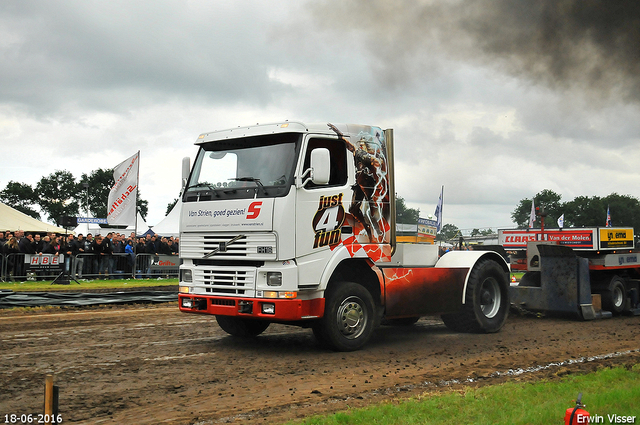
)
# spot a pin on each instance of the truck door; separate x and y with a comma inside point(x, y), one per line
point(320, 210)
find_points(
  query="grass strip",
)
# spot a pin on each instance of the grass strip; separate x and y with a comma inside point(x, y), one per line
point(607, 392)
point(46, 286)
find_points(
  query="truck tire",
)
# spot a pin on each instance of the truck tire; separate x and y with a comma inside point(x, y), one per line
point(348, 319)
point(487, 301)
point(614, 297)
point(238, 326)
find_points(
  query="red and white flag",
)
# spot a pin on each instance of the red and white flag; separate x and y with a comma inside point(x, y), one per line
point(532, 216)
point(121, 209)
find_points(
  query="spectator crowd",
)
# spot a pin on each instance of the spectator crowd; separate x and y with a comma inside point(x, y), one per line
point(88, 256)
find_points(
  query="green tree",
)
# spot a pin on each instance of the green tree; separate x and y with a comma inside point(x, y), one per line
point(547, 199)
point(448, 232)
point(21, 197)
point(142, 205)
point(584, 211)
point(96, 194)
point(485, 232)
point(57, 195)
point(170, 206)
point(404, 214)
point(624, 210)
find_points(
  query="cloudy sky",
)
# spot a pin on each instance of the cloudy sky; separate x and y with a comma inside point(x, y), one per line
point(494, 99)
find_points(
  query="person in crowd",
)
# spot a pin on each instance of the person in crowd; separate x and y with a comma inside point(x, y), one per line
point(118, 260)
point(25, 245)
point(172, 247)
point(140, 246)
point(165, 249)
point(101, 250)
point(131, 255)
point(47, 246)
point(78, 261)
point(70, 250)
point(151, 249)
point(90, 265)
point(10, 250)
point(108, 253)
point(38, 243)
point(2, 242)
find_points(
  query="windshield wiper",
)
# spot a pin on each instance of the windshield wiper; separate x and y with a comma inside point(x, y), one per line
point(207, 185)
point(251, 179)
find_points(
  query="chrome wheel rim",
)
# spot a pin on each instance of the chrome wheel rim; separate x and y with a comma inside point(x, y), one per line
point(490, 297)
point(352, 317)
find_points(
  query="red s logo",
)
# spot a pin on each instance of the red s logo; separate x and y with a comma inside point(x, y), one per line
point(254, 210)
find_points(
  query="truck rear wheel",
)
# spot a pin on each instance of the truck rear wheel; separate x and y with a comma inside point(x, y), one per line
point(348, 322)
point(238, 326)
point(487, 300)
point(615, 296)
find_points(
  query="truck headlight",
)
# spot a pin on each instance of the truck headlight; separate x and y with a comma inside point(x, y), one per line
point(274, 279)
point(186, 275)
point(268, 308)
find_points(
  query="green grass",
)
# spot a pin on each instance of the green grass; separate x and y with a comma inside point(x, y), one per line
point(606, 392)
point(46, 286)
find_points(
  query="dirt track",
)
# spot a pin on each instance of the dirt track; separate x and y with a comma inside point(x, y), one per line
point(152, 364)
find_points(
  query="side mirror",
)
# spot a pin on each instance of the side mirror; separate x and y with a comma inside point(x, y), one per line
point(320, 166)
point(186, 167)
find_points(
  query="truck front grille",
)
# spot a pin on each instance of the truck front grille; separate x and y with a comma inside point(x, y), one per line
point(251, 246)
point(225, 281)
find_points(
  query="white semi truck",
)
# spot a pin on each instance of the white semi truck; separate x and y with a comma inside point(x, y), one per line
point(294, 223)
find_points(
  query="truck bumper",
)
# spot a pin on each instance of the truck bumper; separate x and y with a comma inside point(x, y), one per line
point(258, 308)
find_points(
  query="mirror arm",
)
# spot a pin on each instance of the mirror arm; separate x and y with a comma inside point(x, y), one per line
point(304, 182)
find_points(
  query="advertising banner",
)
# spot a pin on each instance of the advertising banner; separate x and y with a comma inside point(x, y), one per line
point(46, 263)
point(121, 208)
point(616, 238)
point(240, 215)
point(427, 228)
point(574, 238)
point(588, 238)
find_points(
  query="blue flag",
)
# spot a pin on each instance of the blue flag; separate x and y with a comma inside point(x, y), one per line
point(438, 212)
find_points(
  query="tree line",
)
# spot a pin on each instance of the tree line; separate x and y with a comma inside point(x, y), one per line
point(583, 211)
point(61, 194)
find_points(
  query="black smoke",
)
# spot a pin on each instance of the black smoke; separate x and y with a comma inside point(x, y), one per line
point(589, 45)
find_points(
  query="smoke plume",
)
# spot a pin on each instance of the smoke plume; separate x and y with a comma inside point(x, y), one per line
point(589, 45)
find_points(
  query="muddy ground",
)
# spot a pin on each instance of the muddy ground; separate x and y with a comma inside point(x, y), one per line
point(152, 364)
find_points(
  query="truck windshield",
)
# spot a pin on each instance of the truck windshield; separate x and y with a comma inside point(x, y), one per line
point(244, 168)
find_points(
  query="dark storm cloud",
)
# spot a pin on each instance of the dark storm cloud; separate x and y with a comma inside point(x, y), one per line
point(589, 45)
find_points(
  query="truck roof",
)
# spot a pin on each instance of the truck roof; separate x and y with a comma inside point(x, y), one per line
point(274, 128)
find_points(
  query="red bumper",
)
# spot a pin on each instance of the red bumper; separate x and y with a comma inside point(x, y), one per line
point(285, 309)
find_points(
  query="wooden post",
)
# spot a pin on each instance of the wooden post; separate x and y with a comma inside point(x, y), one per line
point(48, 399)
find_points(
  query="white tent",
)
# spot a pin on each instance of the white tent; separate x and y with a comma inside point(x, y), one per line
point(95, 229)
point(170, 225)
point(12, 219)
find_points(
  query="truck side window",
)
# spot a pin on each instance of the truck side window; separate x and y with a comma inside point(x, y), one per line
point(337, 151)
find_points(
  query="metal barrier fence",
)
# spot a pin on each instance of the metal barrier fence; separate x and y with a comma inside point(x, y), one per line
point(88, 266)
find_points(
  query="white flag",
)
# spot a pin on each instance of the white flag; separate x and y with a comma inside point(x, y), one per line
point(532, 217)
point(561, 221)
point(438, 212)
point(121, 209)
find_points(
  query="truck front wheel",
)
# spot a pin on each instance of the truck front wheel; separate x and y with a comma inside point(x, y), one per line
point(487, 300)
point(348, 321)
point(237, 326)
